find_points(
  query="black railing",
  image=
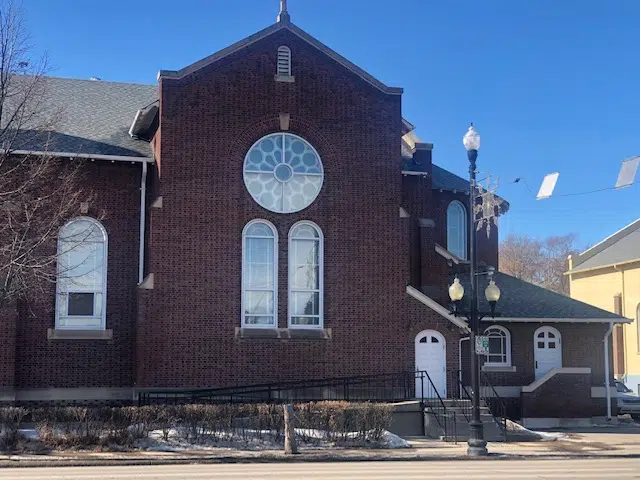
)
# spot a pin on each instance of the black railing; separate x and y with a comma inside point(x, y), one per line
point(489, 397)
point(496, 405)
point(394, 387)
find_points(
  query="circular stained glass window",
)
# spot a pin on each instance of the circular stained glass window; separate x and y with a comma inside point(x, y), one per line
point(283, 173)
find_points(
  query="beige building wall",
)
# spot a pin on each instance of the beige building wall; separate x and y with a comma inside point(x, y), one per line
point(599, 287)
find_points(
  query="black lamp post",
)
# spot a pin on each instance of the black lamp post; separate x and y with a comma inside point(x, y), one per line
point(477, 444)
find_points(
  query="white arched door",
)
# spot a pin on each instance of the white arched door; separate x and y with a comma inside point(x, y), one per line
point(431, 352)
point(547, 350)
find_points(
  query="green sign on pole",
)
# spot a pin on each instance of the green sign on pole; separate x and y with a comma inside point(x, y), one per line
point(482, 345)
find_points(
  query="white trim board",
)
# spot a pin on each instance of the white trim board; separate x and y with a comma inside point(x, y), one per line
point(551, 373)
point(88, 156)
point(436, 307)
point(555, 320)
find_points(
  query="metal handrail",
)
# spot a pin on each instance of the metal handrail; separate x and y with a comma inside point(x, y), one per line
point(502, 421)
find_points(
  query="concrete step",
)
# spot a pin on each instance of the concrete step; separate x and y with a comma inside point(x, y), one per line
point(458, 430)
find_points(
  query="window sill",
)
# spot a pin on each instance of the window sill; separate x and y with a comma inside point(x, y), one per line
point(498, 368)
point(285, 78)
point(61, 334)
point(283, 333)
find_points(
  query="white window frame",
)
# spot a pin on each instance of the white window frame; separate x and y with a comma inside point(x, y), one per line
point(320, 280)
point(275, 275)
point(60, 294)
point(507, 336)
point(463, 228)
point(283, 68)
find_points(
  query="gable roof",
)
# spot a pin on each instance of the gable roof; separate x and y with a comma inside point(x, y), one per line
point(521, 301)
point(623, 246)
point(276, 27)
point(93, 117)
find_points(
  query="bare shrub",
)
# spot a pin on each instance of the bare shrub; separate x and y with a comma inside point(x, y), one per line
point(10, 419)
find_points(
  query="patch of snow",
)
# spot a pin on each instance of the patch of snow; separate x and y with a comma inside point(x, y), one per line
point(391, 440)
point(542, 436)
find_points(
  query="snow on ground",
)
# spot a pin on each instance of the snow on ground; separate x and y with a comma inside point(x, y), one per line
point(257, 440)
point(541, 436)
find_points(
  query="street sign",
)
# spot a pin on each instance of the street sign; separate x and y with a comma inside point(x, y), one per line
point(482, 345)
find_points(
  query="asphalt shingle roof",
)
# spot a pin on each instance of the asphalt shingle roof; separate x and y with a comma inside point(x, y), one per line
point(94, 117)
point(520, 299)
point(622, 246)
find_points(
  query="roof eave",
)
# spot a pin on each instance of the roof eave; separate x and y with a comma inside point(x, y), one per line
point(557, 320)
point(85, 156)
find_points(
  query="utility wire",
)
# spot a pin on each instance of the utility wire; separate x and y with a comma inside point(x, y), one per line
point(573, 194)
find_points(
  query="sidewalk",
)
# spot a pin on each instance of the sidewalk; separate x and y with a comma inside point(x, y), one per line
point(573, 444)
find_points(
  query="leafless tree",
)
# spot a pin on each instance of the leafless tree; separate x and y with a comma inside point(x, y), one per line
point(38, 192)
point(541, 262)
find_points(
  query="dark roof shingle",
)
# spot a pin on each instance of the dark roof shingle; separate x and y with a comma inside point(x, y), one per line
point(94, 117)
point(520, 299)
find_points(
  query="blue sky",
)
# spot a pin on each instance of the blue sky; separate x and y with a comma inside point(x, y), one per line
point(551, 85)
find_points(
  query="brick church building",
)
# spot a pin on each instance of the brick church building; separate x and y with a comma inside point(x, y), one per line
point(269, 216)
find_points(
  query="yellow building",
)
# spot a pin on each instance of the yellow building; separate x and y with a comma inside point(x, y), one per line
point(608, 276)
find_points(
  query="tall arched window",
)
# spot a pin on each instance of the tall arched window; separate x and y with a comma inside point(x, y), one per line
point(284, 61)
point(457, 229)
point(81, 286)
point(259, 275)
point(499, 346)
point(306, 273)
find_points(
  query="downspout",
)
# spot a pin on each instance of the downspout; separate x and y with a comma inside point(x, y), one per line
point(607, 387)
point(143, 198)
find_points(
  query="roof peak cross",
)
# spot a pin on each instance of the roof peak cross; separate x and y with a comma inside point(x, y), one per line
point(284, 16)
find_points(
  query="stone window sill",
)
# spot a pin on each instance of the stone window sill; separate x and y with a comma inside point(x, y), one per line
point(498, 368)
point(58, 334)
point(285, 78)
point(283, 333)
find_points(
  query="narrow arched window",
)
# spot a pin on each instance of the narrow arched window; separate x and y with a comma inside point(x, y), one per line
point(259, 275)
point(284, 61)
point(81, 284)
point(306, 273)
point(457, 230)
point(499, 346)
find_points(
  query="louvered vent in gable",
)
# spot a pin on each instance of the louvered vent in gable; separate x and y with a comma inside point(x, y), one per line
point(284, 64)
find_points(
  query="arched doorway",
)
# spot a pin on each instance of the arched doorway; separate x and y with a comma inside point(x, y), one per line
point(431, 357)
point(547, 350)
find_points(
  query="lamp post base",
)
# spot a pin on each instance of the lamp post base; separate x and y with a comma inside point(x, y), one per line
point(477, 444)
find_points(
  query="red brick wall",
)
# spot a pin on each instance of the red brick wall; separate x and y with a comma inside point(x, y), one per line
point(581, 347)
point(209, 121)
point(564, 395)
point(41, 363)
point(8, 318)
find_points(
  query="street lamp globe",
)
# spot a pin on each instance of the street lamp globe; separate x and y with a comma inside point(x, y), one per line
point(471, 139)
point(456, 290)
point(492, 292)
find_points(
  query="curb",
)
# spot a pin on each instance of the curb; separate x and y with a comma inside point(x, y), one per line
point(301, 458)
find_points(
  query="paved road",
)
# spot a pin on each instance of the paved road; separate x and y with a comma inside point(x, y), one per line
point(451, 470)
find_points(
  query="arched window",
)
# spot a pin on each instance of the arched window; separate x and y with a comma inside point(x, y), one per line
point(284, 61)
point(457, 229)
point(81, 286)
point(306, 272)
point(499, 346)
point(259, 275)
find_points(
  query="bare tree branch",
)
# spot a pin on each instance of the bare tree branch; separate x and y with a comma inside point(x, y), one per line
point(541, 262)
point(38, 193)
